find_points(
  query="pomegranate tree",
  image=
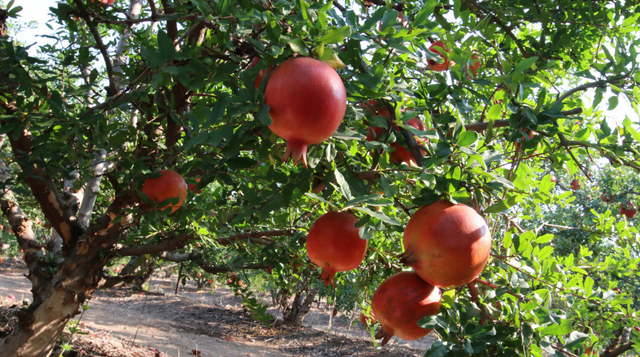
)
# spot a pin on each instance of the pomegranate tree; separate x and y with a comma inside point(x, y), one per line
point(307, 103)
point(334, 244)
point(447, 245)
point(402, 300)
point(170, 185)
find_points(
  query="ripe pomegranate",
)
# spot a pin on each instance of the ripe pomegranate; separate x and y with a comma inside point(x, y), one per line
point(401, 153)
point(575, 184)
point(334, 244)
point(169, 185)
point(193, 187)
point(437, 47)
point(368, 320)
point(400, 302)
point(308, 102)
point(447, 245)
point(627, 210)
point(475, 66)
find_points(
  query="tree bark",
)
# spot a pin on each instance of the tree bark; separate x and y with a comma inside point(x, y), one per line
point(295, 312)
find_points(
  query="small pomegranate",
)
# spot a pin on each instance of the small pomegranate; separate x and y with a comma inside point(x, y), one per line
point(475, 66)
point(307, 103)
point(169, 185)
point(438, 47)
point(627, 210)
point(553, 179)
point(401, 153)
point(607, 199)
point(575, 184)
point(334, 244)
point(400, 302)
point(368, 320)
point(192, 187)
point(447, 245)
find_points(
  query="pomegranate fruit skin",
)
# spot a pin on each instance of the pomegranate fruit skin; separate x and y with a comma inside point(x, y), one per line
point(334, 244)
point(447, 245)
point(402, 300)
point(169, 185)
point(307, 101)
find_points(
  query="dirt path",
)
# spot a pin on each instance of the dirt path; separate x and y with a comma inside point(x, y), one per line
point(214, 323)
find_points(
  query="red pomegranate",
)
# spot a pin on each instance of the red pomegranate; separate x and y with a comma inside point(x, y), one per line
point(553, 178)
point(575, 184)
point(170, 185)
point(307, 103)
point(401, 153)
point(438, 47)
point(475, 66)
point(400, 302)
point(334, 244)
point(368, 320)
point(627, 210)
point(447, 245)
point(192, 187)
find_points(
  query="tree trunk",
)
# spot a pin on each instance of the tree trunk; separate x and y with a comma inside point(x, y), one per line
point(39, 328)
point(295, 312)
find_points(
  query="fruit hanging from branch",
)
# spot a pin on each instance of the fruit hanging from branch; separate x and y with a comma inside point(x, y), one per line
point(192, 186)
point(402, 300)
point(438, 47)
point(447, 245)
point(401, 153)
point(627, 210)
point(368, 320)
point(307, 101)
point(575, 184)
point(334, 244)
point(169, 186)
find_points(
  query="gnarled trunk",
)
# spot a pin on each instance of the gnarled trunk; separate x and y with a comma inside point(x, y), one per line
point(295, 312)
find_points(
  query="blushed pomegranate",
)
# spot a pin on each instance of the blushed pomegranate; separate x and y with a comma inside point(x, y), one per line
point(400, 302)
point(307, 103)
point(447, 245)
point(192, 187)
point(438, 47)
point(170, 185)
point(401, 153)
point(627, 210)
point(575, 184)
point(334, 244)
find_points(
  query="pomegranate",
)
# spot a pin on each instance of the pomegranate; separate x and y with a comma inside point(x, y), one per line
point(401, 153)
point(307, 103)
point(437, 47)
point(575, 184)
point(553, 178)
point(192, 187)
point(627, 210)
point(400, 302)
point(368, 320)
point(170, 185)
point(475, 66)
point(335, 245)
point(447, 245)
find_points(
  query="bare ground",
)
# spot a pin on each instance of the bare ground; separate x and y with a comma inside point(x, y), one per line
point(200, 322)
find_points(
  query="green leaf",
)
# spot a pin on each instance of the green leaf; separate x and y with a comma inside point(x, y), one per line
point(525, 64)
point(588, 286)
point(166, 47)
point(467, 138)
point(363, 199)
point(319, 198)
point(544, 239)
point(575, 340)
point(613, 102)
point(557, 329)
point(504, 204)
point(495, 112)
point(298, 46)
point(342, 185)
point(335, 35)
point(379, 215)
point(425, 12)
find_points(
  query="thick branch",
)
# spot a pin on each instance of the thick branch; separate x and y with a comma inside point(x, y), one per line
point(243, 236)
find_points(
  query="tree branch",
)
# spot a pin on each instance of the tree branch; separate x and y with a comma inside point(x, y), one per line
point(168, 244)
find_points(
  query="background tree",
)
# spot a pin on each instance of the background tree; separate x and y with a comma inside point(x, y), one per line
point(133, 87)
